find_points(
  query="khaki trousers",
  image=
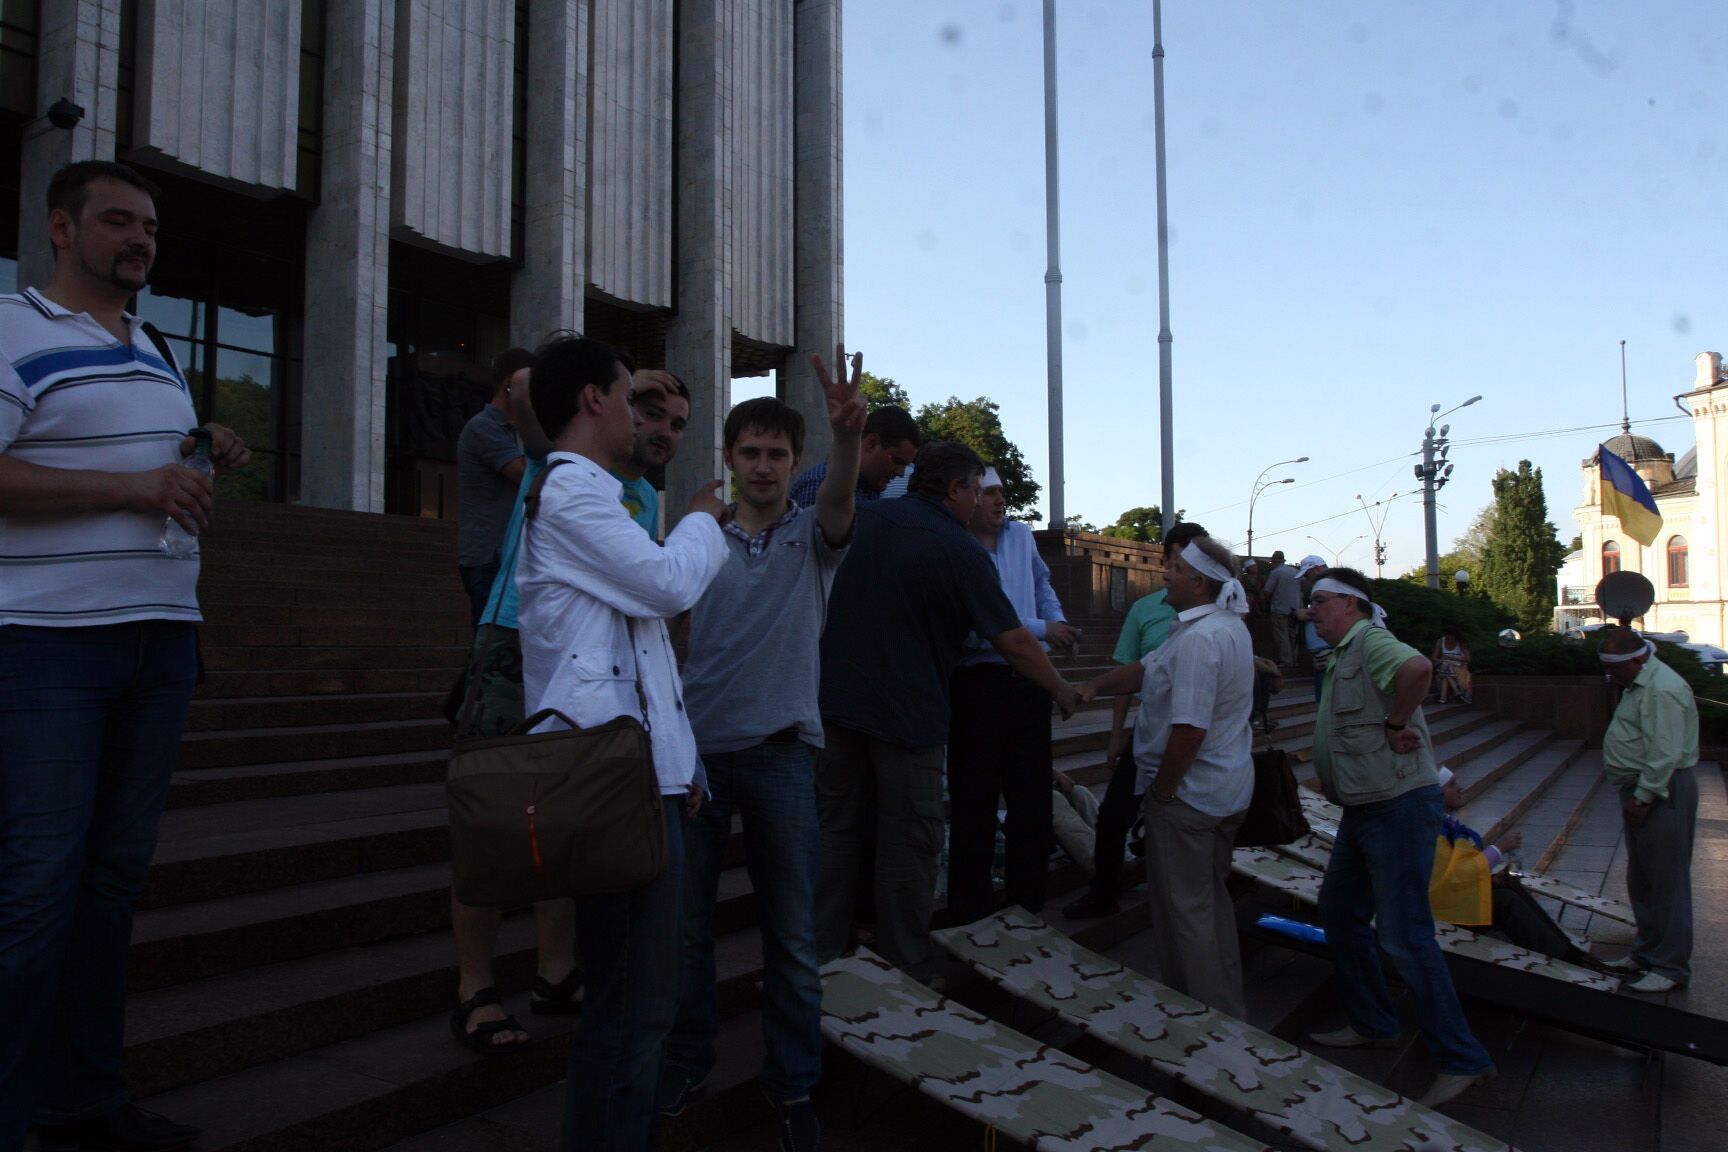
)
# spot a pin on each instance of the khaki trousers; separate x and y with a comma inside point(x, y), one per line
point(1193, 921)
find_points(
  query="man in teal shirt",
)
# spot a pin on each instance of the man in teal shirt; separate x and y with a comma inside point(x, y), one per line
point(662, 406)
point(1648, 754)
point(1147, 627)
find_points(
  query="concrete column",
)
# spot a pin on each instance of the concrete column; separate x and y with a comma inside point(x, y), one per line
point(699, 339)
point(78, 60)
point(450, 145)
point(348, 266)
point(219, 87)
point(546, 293)
point(818, 268)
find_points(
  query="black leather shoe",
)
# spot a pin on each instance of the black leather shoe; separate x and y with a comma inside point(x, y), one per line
point(1090, 907)
point(127, 1129)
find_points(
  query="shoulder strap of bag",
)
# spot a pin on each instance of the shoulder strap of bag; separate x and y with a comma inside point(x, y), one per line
point(155, 335)
point(471, 688)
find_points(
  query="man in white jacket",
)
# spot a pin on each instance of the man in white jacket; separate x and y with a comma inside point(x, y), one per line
point(595, 592)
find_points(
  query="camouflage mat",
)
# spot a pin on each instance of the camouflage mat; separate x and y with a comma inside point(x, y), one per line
point(1275, 1082)
point(1301, 880)
point(1029, 1092)
point(1323, 816)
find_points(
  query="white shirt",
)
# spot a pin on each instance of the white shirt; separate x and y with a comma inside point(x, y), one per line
point(584, 567)
point(1203, 676)
point(72, 396)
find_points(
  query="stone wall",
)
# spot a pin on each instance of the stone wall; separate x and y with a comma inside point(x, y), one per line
point(1574, 706)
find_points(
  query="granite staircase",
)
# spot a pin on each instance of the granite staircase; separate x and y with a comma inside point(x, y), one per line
point(292, 967)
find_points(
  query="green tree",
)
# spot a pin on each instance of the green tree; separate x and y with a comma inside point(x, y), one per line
point(1523, 552)
point(978, 425)
point(1466, 554)
point(1078, 524)
point(1144, 524)
point(881, 392)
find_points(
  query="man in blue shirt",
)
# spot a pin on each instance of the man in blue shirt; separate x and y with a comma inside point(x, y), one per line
point(891, 439)
point(1000, 745)
point(913, 586)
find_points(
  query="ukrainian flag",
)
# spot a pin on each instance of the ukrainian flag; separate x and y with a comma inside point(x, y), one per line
point(1625, 495)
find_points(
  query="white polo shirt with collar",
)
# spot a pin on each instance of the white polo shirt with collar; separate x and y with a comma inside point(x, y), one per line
point(72, 396)
point(1202, 676)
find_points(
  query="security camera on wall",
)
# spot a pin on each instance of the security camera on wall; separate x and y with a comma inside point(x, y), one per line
point(65, 114)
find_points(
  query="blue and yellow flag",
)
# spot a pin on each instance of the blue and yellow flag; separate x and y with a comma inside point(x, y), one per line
point(1624, 495)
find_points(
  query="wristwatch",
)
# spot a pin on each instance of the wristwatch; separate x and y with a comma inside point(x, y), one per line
point(1396, 727)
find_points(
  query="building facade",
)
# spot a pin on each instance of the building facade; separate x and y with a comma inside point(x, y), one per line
point(364, 201)
point(1687, 563)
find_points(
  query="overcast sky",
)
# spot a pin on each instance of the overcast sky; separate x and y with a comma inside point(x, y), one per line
point(1373, 208)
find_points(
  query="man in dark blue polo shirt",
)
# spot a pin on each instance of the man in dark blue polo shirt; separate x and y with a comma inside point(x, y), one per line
point(916, 582)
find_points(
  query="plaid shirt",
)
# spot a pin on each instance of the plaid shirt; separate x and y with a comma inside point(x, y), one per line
point(758, 543)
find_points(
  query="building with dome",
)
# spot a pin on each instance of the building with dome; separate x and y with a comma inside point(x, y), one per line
point(1687, 563)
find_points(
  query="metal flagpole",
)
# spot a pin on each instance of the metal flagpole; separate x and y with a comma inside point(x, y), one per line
point(1053, 272)
point(1166, 418)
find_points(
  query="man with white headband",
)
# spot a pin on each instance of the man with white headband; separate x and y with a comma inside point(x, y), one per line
point(1143, 632)
point(1194, 752)
point(999, 734)
point(1648, 754)
point(1374, 758)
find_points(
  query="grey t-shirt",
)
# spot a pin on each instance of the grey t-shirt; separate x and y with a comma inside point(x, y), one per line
point(755, 637)
point(484, 497)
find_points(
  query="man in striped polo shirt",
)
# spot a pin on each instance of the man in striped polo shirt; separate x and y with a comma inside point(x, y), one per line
point(97, 654)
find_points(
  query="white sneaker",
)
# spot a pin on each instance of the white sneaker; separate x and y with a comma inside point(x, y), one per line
point(1650, 982)
point(1450, 1085)
point(1626, 963)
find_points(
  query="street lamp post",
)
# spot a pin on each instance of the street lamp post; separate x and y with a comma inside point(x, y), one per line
point(1337, 553)
point(1385, 507)
point(1260, 484)
point(1434, 472)
point(1461, 579)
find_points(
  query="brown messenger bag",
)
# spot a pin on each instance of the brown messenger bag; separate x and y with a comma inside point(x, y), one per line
point(575, 812)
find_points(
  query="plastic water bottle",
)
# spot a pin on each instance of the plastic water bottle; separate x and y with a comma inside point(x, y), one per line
point(175, 541)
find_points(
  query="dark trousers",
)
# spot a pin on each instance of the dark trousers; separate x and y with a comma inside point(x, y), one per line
point(1115, 819)
point(477, 583)
point(998, 744)
point(1522, 920)
point(90, 722)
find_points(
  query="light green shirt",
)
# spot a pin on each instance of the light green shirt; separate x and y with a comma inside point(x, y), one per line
point(1383, 654)
point(1653, 734)
point(1147, 627)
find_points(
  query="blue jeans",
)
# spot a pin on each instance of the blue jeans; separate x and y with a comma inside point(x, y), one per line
point(477, 583)
point(1381, 864)
point(90, 723)
point(773, 786)
point(629, 949)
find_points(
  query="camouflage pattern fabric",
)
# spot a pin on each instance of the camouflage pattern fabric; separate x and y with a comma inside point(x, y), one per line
point(1275, 1082)
point(1323, 817)
point(1031, 1093)
point(1287, 874)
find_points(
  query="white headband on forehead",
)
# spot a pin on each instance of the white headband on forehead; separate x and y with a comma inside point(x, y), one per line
point(1649, 649)
point(1231, 597)
point(1376, 614)
point(992, 479)
point(1328, 584)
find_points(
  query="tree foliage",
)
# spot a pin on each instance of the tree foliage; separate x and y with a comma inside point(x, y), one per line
point(882, 392)
point(1079, 524)
point(974, 423)
point(1523, 552)
point(1143, 524)
point(1466, 554)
